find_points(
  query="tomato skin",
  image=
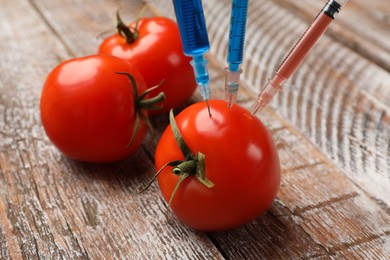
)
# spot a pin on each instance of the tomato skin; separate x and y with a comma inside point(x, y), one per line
point(241, 161)
point(158, 55)
point(88, 111)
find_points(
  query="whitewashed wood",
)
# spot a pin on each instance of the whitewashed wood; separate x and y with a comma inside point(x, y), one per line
point(339, 100)
point(52, 207)
point(362, 26)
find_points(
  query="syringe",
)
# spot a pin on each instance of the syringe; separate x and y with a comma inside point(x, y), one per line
point(235, 49)
point(298, 53)
point(195, 41)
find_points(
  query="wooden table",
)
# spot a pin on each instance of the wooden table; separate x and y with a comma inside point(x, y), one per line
point(331, 126)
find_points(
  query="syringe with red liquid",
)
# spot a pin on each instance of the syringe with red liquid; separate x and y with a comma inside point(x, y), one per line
point(298, 53)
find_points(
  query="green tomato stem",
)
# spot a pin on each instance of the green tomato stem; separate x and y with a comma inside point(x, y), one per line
point(130, 34)
point(186, 167)
point(186, 151)
point(150, 104)
point(192, 165)
point(141, 103)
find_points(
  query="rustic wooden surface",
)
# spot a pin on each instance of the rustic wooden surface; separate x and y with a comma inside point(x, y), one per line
point(331, 127)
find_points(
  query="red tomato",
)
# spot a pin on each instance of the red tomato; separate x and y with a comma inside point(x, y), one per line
point(240, 160)
point(158, 55)
point(88, 110)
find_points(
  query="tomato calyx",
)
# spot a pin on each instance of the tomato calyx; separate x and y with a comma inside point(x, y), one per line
point(141, 103)
point(130, 34)
point(192, 165)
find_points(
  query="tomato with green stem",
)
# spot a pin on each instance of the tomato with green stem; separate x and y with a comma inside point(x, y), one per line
point(94, 108)
point(153, 45)
point(218, 172)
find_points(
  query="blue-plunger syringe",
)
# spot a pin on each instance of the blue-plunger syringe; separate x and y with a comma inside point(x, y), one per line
point(195, 41)
point(235, 49)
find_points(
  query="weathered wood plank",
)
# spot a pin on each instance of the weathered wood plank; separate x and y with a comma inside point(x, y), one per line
point(52, 207)
point(332, 101)
point(89, 23)
point(269, 237)
point(317, 206)
point(337, 98)
point(363, 26)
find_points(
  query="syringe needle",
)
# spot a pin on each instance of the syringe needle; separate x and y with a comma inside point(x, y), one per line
point(204, 87)
point(199, 64)
point(208, 107)
point(231, 98)
point(298, 53)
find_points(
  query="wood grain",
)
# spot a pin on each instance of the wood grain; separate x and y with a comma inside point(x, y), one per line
point(337, 98)
point(52, 207)
point(331, 127)
point(362, 26)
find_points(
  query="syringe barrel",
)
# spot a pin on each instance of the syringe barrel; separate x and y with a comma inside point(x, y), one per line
point(298, 53)
point(237, 33)
point(308, 39)
point(192, 26)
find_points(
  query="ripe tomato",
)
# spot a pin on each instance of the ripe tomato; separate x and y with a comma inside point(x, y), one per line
point(157, 53)
point(88, 110)
point(241, 162)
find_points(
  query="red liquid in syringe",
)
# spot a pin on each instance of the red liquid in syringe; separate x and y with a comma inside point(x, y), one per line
point(303, 46)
